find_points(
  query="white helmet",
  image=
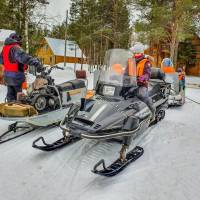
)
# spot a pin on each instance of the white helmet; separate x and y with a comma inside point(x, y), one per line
point(138, 48)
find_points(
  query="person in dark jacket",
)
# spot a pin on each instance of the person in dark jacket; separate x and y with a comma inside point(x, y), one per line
point(15, 62)
point(144, 65)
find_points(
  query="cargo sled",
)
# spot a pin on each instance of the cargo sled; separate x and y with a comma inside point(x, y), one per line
point(177, 93)
point(45, 104)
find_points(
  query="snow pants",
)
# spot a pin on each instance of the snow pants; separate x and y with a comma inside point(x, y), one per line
point(143, 95)
point(12, 91)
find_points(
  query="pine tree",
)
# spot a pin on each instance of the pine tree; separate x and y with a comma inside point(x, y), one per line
point(99, 25)
point(167, 21)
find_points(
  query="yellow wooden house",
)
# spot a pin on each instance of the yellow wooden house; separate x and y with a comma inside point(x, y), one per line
point(52, 52)
point(194, 67)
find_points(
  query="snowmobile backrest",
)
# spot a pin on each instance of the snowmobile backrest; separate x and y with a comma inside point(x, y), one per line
point(157, 73)
point(77, 83)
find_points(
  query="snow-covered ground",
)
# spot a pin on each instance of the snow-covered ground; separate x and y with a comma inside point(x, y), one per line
point(193, 81)
point(168, 170)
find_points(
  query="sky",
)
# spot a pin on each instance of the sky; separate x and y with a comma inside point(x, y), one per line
point(57, 8)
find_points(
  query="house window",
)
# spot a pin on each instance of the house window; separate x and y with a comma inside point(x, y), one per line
point(51, 59)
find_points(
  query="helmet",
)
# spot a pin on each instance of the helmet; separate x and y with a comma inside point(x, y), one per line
point(16, 37)
point(179, 70)
point(167, 62)
point(138, 48)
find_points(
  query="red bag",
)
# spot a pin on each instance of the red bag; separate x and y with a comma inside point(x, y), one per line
point(81, 74)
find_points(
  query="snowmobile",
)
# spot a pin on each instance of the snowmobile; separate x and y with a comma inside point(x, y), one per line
point(115, 112)
point(50, 102)
point(177, 93)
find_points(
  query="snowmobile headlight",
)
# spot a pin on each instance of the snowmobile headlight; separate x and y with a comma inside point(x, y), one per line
point(108, 90)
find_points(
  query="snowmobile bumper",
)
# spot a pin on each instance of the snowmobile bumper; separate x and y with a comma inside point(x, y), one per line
point(104, 136)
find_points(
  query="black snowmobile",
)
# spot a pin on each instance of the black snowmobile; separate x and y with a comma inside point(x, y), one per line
point(114, 111)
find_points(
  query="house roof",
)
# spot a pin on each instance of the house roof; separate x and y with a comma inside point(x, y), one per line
point(58, 47)
point(4, 34)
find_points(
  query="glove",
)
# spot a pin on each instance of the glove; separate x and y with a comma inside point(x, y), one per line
point(37, 64)
point(39, 68)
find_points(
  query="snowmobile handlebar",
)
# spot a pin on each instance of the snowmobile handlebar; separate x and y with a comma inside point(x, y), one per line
point(57, 67)
point(46, 72)
point(54, 67)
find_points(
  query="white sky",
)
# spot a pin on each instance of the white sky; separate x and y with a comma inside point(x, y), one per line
point(57, 8)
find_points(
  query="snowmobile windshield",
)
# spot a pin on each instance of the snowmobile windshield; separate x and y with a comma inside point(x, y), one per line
point(119, 68)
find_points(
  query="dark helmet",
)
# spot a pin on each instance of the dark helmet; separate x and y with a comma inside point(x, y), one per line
point(16, 37)
point(179, 70)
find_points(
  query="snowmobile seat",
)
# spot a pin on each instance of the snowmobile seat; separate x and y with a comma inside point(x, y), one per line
point(65, 86)
point(77, 83)
point(71, 85)
point(153, 89)
point(157, 73)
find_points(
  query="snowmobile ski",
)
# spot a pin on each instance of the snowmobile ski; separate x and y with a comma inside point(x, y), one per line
point(13, 133)
point(118, 165)
point(55, 145)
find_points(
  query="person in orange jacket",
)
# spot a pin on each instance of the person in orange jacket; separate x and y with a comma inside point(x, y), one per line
point(181, 77)
point(144, 65)
point(167, 66)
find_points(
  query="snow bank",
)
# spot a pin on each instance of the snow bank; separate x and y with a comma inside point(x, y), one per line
point(193, 81)
point(69, 74)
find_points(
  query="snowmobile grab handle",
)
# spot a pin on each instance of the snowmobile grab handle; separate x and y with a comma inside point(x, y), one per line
point(101, 162)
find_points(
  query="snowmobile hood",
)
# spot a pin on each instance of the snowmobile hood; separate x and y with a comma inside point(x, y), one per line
point(106, 114)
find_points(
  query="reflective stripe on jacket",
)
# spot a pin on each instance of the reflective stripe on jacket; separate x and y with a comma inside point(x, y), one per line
point(8, 65)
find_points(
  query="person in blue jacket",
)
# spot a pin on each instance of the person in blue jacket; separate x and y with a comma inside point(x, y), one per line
point(15, 62)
